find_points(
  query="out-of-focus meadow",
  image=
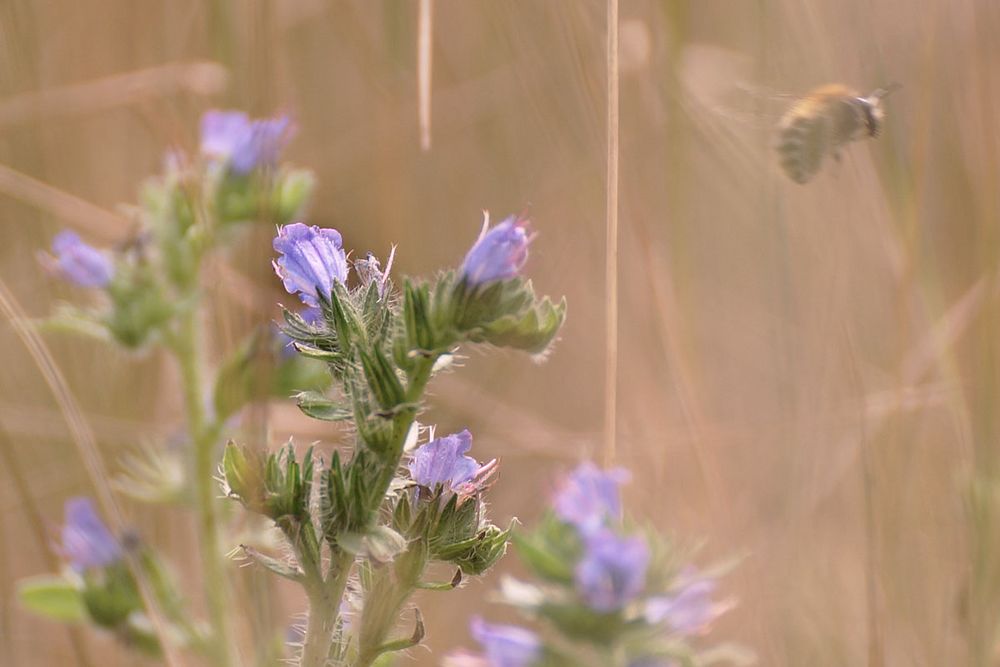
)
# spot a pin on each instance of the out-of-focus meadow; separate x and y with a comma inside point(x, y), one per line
point(808, 374)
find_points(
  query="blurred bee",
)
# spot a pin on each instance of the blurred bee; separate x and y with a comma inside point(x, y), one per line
point(821, 122)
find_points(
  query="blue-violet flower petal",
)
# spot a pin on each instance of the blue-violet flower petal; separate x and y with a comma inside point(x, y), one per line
point(86, 541)
point(79, 262)
point(506, 645)
point(612, 571)
point(499, 253)
point(311, 261)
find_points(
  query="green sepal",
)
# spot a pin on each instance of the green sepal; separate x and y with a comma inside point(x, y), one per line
point(243, 471)
point(532, 331)
point(111, 595)
point(288, 484)
point(316, 405)
point(292, 191)
point(344, 497)
point(173, 217)
point(505, 313)
point(237, 198)
point(402, 514)
point(419, 331)
point(382, 379)
point(339, 313)
point(551, 551)
point(376, 312)
point(139, 308)
point(489, 548)
point(315, 341)
point(578, 621)
point(454, 533)
point(52, 597)
point(277, 486)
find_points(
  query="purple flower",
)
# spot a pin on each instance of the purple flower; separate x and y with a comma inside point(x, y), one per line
point(86, 541)
point(506, 645)
point(612, 571)
point(690, 609)
point(79, 262)
point(244, 144)
point(312, 261)
point(442, 461)
point(499, 253)
point(588, 497)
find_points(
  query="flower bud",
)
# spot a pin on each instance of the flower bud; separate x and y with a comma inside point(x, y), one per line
point(499, 253)
point(86, 542)
point(79, 263)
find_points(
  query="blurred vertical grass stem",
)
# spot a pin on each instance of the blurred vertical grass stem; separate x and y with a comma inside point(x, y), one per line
point(611, 266)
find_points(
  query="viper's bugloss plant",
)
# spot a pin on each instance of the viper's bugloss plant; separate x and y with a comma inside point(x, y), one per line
point(146, 294)
point(364, 526)
point(607, 594)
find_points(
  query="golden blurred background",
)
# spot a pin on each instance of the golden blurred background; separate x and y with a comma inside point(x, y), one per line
point(808, 374)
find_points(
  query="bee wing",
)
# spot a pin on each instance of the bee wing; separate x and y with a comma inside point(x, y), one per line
point(749, 106)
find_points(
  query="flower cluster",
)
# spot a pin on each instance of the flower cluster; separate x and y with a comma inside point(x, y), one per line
point(147, 279)
point(382, 347)
point(362, 525)
point(606, 589)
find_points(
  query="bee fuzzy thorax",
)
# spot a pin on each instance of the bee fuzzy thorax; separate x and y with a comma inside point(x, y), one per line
point(821, 122)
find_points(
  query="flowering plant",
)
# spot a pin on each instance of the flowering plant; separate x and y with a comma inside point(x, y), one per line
point(361, 527)
point(607, 593)
point(366, 514)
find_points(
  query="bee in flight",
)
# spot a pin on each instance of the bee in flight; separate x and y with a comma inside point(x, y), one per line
point(824, 120)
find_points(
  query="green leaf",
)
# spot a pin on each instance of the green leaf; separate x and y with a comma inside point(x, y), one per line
point(274, 565)
point(455, 582)
point(316, 405)
point(403, 644)
point(299, 373)
point(52, 597)
point(235, 384)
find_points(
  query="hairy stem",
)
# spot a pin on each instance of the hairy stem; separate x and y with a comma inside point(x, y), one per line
point(389, 606)
point(204, 435)
point(324, 610)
